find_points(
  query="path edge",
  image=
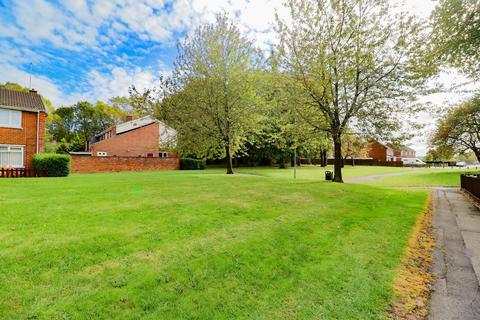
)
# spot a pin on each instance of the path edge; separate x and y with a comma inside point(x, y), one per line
point(414, 278)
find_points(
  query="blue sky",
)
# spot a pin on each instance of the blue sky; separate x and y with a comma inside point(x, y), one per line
point(95, 49)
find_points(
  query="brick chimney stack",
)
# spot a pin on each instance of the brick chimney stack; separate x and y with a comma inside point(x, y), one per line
point(128, 118)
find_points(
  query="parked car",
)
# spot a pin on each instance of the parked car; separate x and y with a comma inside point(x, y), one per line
point(460, 164)
point(412, 161)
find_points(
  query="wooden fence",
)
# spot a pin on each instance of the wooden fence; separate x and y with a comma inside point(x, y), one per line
point(17, 173)
point(471, 183)
point(367, 162)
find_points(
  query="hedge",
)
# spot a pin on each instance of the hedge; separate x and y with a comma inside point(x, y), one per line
point(192, 164)
point(52, 164)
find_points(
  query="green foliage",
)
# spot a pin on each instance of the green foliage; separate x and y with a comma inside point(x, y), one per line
point(458, 131)
point(356, 64)
point(211, 99)
point(52, 164)
point(456, 34)
point(79, 123)
point(192, 164)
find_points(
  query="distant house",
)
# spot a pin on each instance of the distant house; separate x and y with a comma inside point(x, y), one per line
point(401, 152)
point(144, 137)
point(390, 152)
point(381, 151)
point(22, 127)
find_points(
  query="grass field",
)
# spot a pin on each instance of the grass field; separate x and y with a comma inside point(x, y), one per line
point(199, 245)
point(314, 172)
point(428, 178)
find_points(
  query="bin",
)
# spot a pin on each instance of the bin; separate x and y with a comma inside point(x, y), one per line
point(328, 175)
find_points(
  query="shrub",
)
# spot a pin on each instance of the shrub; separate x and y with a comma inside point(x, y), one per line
point(52, 165)
point(192, 164)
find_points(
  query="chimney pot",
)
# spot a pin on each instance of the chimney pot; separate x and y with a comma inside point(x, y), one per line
point(128, 118)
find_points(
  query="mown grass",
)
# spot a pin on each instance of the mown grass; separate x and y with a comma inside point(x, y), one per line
point(430, 178)
point(314, 172)
point(190, 245)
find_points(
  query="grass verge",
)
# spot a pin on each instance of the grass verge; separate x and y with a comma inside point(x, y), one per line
point(199, 245)
point(413, 282)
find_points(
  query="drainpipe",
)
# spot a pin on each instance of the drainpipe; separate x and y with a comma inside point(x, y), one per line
point(38, 128)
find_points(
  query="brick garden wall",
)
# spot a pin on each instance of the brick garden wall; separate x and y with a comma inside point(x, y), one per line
point(369, 162)
point(88, 164)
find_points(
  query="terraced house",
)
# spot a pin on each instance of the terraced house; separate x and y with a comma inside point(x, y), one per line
point(22, 127)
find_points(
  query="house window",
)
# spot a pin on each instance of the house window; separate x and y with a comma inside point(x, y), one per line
point(11, 156)
point(102, 154)
point(10, 118)
point(163, 154)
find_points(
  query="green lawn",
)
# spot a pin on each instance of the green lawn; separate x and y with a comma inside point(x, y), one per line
point(432, 177)
point(314, 172)
point(199, 245)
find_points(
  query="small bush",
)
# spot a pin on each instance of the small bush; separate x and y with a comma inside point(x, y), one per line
point(52, 165)
point(192, 164)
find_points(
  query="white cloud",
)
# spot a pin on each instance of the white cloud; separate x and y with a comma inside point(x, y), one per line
point(116, 82)
point(43, 85)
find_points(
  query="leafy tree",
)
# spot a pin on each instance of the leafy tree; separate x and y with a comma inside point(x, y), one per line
point(353, 146)
point(211, 98)
point(456, 34)
point(355, 66)
point(78, 124)
point(459, 129)
point(439, 154)
point(62, 124)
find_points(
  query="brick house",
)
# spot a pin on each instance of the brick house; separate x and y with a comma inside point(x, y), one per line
point(401, 152)
point(22, 127)
point(381, 151)
point(144, 137)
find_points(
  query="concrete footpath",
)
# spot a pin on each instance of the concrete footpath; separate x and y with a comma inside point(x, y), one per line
point(456, 266)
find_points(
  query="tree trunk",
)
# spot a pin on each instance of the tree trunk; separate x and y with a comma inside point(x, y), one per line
point(281, 163)
point(324, 158)
point(337, 146)
point(477, 153)
point(229, 160)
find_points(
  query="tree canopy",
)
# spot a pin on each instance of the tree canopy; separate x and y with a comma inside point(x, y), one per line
point(456, 34)
point(355, 67)
point(210, 99)
point(459, 129)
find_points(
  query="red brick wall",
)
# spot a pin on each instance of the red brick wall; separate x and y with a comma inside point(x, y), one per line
point(377, 151)
point(88, 164)
point(134, 143)
point(26, 136)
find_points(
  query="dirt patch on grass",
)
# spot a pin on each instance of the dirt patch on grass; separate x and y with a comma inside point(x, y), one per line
point(413, 283)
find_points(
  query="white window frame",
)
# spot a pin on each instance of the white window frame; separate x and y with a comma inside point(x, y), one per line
point(10, 111)
point(163, 154)
point(14, 146)
point(102, 153)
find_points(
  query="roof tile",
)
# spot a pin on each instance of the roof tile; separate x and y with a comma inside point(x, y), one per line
point(27, 101)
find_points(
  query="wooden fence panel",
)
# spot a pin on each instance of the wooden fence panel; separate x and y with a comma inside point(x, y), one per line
point(471, 183)
point(17, 173)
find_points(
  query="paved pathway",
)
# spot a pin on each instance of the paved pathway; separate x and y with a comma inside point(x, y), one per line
point(379, 176)
point(456, 266)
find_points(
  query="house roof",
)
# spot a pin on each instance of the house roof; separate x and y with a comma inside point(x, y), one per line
point(19, 100)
